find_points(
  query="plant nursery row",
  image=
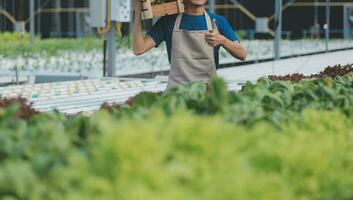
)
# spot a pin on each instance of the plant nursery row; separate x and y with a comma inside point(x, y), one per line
point(278, 138)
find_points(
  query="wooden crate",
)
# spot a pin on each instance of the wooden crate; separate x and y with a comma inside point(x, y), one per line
point(149, 10)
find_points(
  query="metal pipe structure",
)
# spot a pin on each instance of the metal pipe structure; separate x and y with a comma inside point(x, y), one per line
point(8, 16)
point(57, 19)
point(32, 20)
point(316, 13)
point(104, 58)
point(211, 4)
point(38, 17)
point(111, 41)
point(106, 29)
point(131, 23)
point(278, 29)
point(1, 20)
point(327, 30)
point(72, 17)
point(345, 24)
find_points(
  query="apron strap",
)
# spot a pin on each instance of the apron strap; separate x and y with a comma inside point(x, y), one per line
point(178, 22)
point(180, 15)
point(208, 21)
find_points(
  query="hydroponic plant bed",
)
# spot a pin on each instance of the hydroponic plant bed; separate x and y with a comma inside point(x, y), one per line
point(89, 62)
point(332, 72)
point(274, 140)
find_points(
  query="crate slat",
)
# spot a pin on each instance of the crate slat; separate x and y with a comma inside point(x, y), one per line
point(151, 11)
point(147, 9)
point(180, 5)
point(165, 9)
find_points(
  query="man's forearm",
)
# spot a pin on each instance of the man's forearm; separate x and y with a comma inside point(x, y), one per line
point(138, 37)
point(215, 38)
point(234, 48)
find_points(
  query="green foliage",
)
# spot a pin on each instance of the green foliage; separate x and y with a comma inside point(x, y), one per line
point(268, 100)
point(242, 34)
point(274, 140)
point(277, 100)
point(13, 37)
point(13, 45)
point(182, 156)
point(218, 96)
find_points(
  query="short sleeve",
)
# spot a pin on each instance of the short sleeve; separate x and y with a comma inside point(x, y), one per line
point(225, 29)
point(157, 31)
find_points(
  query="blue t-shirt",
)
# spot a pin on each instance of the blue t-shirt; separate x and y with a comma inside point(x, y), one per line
point(162, 30)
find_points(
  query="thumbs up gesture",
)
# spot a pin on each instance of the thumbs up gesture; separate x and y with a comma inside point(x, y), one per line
point(214, 26)
point(214, 38)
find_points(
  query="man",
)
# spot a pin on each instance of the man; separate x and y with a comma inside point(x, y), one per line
point(193, 40)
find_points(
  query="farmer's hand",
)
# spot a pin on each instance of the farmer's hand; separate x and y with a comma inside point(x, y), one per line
point(214, 38)
point(141, 43)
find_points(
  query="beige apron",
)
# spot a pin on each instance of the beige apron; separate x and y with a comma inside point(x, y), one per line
point(191, 57)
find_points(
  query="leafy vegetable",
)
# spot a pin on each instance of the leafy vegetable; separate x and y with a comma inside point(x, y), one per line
point(273, 140)
point(332, 72)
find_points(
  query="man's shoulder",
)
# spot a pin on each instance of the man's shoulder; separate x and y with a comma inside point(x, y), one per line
point(168, 18)
point(217, 17)
point(220, 20)
point(171, 18)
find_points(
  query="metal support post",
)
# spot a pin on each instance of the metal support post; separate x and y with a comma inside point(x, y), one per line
point(71, 22)
point(57, 18)
point(316, 13)
point(79, 31)
point(278, 29)
point(327, 27)
point(38, 23)
point(345, 23)
point(32, 20)
point(211, 4)
point(131, 23)
point(111, 39)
